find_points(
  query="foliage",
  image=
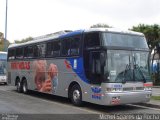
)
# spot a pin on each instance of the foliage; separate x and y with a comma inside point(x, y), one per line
point(2, 43)
point(155, 97)
point(24, 40)
point(151, 32)
point(100, 25)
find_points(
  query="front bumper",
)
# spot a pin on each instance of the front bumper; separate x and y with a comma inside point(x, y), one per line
point(118, 98)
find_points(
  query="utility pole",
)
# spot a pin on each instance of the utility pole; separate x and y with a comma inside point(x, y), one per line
point(5, 37)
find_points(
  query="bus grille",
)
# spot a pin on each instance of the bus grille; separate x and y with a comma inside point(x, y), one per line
point(139, 88)
point(128, 89)
point(132, 88)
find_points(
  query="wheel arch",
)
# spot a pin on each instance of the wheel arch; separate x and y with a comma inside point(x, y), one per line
point(16, 80)
point(23, 79)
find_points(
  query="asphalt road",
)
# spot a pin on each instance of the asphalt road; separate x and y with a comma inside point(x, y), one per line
point(41, 106)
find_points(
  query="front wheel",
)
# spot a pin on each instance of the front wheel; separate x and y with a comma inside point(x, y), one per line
point(76, 95)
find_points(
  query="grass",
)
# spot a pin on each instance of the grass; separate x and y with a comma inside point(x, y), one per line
point(155, 98)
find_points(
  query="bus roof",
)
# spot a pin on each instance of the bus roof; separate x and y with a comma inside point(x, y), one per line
point(1, 52)
point(68, 33)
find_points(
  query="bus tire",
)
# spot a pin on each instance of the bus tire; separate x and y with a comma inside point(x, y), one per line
point(76, 95)
point(19, 86)
point(24, 87)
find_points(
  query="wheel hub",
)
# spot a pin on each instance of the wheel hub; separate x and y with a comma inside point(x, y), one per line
point(76, 95)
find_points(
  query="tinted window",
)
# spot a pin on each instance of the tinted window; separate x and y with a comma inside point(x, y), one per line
point(56, 48)
point(19, 53)
point(39, 50)
point(11, 54)
point(75, 44)
point(124, 40)
point(49, 49)
point(91, 39)
point(53, 49)
point(29, 52)
point(66, 47)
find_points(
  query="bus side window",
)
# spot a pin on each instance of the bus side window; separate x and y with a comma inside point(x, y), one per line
point(91, 40)
point(30, 52)
point(25, 52)
point(19, 53)
point(11, 54)
point(65, 47)
point(49, 49)
point(75, 43)
point(36, 51)
point(56, 48)
point(40, 50)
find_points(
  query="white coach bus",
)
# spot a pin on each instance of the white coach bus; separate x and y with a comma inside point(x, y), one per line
point(104, 66)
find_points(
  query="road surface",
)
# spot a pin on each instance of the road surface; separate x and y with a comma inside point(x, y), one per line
point(40, 106)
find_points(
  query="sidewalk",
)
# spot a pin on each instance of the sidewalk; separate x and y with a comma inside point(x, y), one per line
point(156, 86)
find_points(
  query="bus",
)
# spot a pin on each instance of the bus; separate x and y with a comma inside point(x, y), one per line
point(104, 66)
point(3, 66)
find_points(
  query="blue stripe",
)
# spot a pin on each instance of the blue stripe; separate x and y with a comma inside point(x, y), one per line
point(78, 32)
point(80, 69)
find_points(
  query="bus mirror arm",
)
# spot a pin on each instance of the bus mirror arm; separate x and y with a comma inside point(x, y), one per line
point(137, 66)
point(102, 59)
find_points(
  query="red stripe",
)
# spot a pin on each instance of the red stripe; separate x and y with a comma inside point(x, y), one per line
point(68, 66)
point(148, 84)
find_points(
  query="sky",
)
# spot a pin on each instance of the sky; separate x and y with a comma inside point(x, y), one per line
point(39, 17)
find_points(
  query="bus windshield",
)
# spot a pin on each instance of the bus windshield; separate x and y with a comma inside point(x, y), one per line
point(124, 40)
point(2, 67)
point(128, 66)
point(3, 63)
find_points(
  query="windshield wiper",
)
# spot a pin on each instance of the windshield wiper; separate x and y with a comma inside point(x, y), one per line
point(139, 69)
point(128, 67)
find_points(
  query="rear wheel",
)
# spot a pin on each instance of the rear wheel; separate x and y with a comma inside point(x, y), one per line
point(24, 87)
point(76, 95)
point(19, 86)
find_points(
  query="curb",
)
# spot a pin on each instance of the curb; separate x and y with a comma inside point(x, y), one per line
point(149, 105)
point(156, 86)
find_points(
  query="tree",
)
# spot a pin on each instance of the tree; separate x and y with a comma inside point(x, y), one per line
point(23, 40)
point(100, 25)
point(152, 34)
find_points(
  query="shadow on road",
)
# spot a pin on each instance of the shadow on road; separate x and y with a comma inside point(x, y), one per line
point(86, 105)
